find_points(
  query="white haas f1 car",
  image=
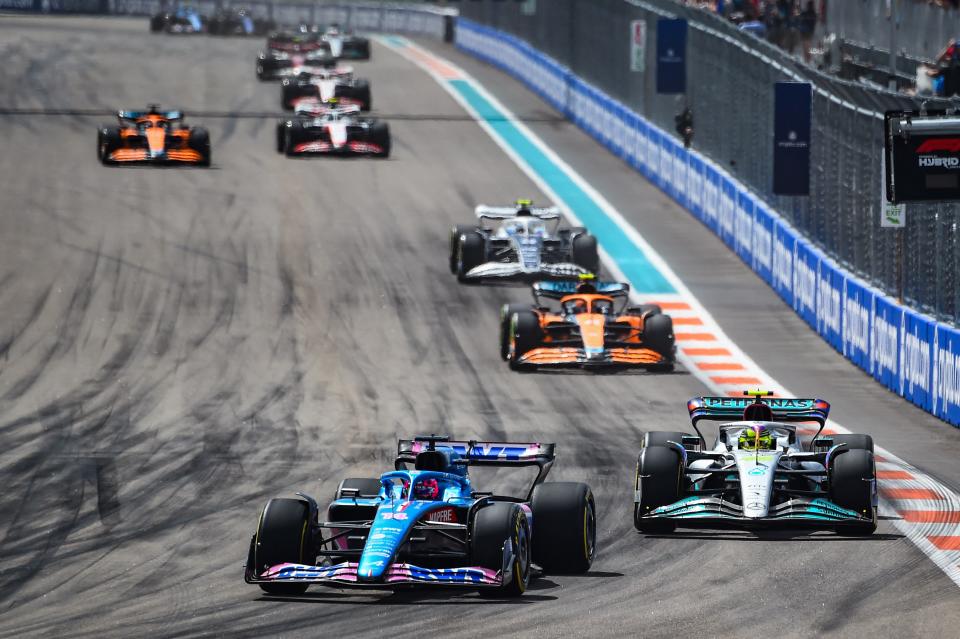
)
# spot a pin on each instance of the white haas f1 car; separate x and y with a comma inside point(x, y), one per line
point(323, 83)
point(758, 472)
point(332, 129)
point(428, 526)
point(289, 60)
point(521, 243)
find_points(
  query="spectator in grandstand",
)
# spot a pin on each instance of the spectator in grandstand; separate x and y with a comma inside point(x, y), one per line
point(808, 24)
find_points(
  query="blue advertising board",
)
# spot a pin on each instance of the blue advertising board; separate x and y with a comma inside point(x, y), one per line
point(671, 55)
point(791, 138)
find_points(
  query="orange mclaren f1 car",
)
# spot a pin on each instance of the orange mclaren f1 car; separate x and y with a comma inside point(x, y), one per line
point(153, 136)
point(593, 328)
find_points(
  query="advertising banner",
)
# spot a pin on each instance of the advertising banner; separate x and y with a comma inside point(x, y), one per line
point(671, 55)
point(791, 138)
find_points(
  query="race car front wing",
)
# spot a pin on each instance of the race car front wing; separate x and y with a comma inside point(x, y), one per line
point(397, 574)
point(702, 511)
point(580, 357)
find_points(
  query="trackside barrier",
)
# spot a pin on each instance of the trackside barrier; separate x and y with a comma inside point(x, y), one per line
point(907, 352)
point(387, 17)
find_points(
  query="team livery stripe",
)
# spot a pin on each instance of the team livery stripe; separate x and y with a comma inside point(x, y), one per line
point(627, 256)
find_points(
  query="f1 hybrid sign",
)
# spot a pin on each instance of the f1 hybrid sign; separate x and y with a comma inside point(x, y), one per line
point(922, 156)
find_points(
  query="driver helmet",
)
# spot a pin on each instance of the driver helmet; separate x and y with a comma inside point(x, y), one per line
point(426, 489)
point(755, 438)
point(587, 283)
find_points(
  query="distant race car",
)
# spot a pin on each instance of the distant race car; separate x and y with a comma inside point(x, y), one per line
point(428, 526)
point(288, 55)
point(593, 327)
point(329, 81)
point(520, 243)
point(344, 43)
point(182, 20)
point(758, 472)
point(152, 136)
point(238, 21)
point(332, 129)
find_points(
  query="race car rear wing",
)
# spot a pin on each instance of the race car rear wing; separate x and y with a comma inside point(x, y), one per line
point(555, 290)
point(477, 453)
point(136, 115)
point(508, 212)
point(785, 409)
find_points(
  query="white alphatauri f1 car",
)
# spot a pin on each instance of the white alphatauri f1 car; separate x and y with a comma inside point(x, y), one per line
point(758, 473)
point(521, 243)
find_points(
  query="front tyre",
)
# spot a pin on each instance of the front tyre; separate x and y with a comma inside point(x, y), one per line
point(525, 335)
point(565, 518)
point(853, 481)
point(492, 527)
point(507, 311)
point(658, 483)
point(283, 536)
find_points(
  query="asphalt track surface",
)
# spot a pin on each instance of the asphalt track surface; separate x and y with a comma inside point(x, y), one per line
point(179, 345)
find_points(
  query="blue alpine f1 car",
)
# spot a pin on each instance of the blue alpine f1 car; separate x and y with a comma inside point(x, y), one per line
point(428, 526)
point(758, 473)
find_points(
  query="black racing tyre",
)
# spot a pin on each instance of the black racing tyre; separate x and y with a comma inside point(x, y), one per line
point(491, 527)
point(200, 142)
point(662, 438)
point(506, 316)
point(565, 518)
point(852, 476)
point(379, 134)
point(648, 310)
point(854, 441)
point(292, 90)
point(294, 136)
point(108, 140)
point(658, 335)
point(658, 483)
point(359, 91)
point(369, 487)
point(455, 234)
point(157, 23)
point(283, 536)
point(525, 335)
point(585, 252)
point(281, 136)
point(471, 253)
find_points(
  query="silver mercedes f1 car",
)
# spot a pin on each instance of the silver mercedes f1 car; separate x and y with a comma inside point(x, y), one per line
point(521, 243)
point(758, 472)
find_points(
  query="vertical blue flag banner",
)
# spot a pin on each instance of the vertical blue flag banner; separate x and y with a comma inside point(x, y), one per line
point(791, 138)
point(671, 56)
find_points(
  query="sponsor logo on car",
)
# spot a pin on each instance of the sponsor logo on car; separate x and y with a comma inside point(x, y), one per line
point(446, 515)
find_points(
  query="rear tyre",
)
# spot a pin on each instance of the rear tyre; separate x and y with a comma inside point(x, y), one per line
point(658, 335)
point(470, 254)
point(565, 516)
point(853, 486)
point(359, 91)
point(507, 312)
point(585, 252)
point(525, 335)
point(294, 136)
point(369, 487)
point(492, 526)
point(283, 536)
point(455, 233)
point(658, 483)
point(292, 90)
